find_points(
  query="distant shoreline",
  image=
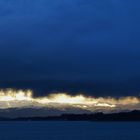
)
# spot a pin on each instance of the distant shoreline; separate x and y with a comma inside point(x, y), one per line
point(97, 117)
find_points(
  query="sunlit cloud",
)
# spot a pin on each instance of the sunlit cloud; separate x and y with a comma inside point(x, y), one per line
point(62, 101)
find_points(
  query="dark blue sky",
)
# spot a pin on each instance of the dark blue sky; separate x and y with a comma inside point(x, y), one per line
point(97, 40)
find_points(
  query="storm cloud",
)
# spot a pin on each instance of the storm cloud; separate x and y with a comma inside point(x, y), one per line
point(78, 40)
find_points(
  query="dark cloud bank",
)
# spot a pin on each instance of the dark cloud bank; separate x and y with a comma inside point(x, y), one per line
point(75, 46)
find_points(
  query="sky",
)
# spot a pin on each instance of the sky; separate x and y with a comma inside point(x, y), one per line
point(96, 42)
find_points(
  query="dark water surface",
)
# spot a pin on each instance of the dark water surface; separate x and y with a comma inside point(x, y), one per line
point(69, 130)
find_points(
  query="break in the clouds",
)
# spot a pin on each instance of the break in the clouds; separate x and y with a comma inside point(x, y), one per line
point(69, 39)
point(22, 103)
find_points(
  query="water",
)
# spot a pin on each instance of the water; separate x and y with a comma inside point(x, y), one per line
point(69, 130)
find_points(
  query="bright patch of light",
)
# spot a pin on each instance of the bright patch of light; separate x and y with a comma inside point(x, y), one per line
point(19, 99)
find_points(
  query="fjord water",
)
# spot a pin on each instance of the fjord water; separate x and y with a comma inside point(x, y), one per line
point(69, 130)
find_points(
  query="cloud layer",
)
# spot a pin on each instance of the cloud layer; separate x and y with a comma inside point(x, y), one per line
point(77, 39)
point(56, 104)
